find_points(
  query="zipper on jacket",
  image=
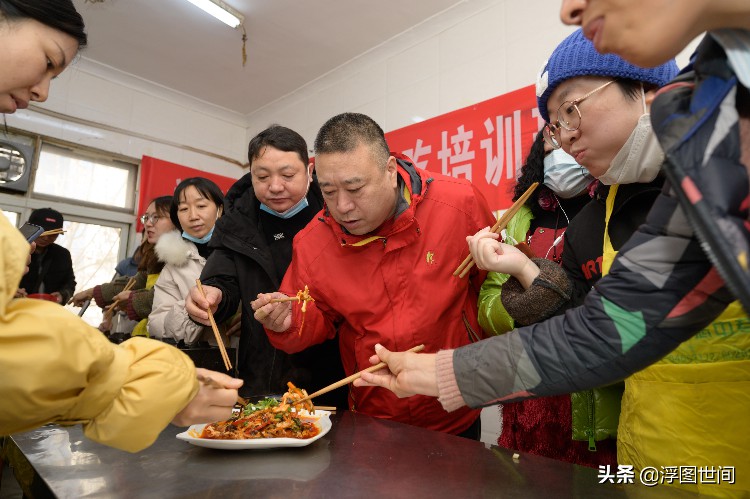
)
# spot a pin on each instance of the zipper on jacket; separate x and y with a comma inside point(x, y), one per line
point(591, 413)
point(473, 336)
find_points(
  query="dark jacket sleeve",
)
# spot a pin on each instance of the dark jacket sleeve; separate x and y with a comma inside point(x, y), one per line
point(68, 287)
point(140, 303)
point(221, 272)
point(547, 294)
point(571, 264)
point(661, 290)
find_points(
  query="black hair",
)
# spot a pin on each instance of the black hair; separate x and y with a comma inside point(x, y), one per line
point(281, 138)
point(206, 187)
point(345, 132)
point(532, 171)
point(632, 88)
point(58, 14)
point(162, 203)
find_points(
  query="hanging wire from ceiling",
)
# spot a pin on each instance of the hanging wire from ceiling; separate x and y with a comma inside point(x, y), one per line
point(244, 41)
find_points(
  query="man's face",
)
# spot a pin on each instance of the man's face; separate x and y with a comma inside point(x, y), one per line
point(359, 190)
point(644, 32)
point(280, 178)
point(44, 241)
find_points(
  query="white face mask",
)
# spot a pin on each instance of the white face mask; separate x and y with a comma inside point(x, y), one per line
point(564, 176)
point(639, 160)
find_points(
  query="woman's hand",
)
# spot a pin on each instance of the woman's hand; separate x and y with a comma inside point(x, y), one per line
point(490, 254)
point(214, 400)
point(407, 373)
point(122, 297)
point(79, 298)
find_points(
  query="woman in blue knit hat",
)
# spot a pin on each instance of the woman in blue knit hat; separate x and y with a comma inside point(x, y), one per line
point(615, 144)
point(596, 108)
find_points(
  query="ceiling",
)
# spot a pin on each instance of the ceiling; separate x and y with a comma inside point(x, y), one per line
point(290, 42)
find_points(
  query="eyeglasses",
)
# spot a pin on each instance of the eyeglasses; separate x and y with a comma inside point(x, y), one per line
point(568, 117)
point(149, 218)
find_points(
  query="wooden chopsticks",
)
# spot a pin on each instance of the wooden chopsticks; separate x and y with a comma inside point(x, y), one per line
point(224, 356)
point(354, 376)
point(468, 262)
point(52, 232)
point(285, 299)
point(128, 287)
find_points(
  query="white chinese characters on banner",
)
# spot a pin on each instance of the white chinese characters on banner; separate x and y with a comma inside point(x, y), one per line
point(456, 160)
point(485, 143)
point(503, 149)
point(417, 154)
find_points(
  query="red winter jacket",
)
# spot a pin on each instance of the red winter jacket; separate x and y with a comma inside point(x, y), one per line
point(396, 289)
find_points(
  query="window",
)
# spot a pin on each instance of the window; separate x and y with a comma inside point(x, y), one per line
point(67, 174)
point(94, 249)
point(96, 193)
point(12, 216)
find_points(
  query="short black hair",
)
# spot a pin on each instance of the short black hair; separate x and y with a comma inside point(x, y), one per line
point(345, 132)
point(206, 187)
point(58, 14)
point(281, 138)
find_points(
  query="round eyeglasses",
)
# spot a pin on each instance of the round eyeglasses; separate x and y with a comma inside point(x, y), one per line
point(568, 117)
point(149, 218)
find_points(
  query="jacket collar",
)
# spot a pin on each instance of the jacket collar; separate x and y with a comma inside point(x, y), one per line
point(238, 228)
point(412, 185)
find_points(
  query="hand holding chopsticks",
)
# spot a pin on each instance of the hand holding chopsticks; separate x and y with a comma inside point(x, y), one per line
point(217, 394)
point(501, 223)
point(128, 287)
point(219, 340)
point(354, 376)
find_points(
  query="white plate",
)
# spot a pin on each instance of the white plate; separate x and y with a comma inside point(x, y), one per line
point(324, 423)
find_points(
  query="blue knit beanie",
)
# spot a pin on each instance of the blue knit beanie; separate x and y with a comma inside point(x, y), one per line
point(576, 56)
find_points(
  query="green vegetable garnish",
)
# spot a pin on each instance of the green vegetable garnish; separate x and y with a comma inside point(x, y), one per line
point(259, 406)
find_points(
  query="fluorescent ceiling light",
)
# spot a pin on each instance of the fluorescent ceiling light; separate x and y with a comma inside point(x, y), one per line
point(220, 11)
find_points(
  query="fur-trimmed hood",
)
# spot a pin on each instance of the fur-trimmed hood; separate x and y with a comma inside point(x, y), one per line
point(172, 249)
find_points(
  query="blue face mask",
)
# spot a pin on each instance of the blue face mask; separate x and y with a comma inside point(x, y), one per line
point(564, 176)
point(288, 213)
point(199, 240)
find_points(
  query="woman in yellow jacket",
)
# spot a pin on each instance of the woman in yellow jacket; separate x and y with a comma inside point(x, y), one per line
point(55, 367)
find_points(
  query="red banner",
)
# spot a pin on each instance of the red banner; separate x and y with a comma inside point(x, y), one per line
point(159, 178)
point(485, 143)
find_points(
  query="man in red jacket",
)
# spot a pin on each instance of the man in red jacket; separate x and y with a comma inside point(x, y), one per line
point(378, 261)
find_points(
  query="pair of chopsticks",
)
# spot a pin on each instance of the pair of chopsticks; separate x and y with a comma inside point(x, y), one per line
point(222, 348)
point(468, 262)
point(52, 232)
point(354, 376)
point(128, 287)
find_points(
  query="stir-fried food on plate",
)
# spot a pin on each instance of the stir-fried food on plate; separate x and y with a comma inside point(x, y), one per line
point(269, 418)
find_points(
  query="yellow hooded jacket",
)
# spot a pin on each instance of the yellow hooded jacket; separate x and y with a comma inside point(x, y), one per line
point(56, 368)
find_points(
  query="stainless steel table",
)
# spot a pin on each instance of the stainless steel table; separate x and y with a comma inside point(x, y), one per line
point(360, 457)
